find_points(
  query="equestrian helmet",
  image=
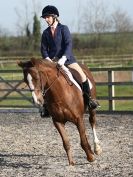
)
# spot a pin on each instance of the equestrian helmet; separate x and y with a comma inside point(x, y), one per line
point(50, 10)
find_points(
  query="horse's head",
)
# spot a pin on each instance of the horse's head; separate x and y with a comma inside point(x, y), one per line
point(33, 79)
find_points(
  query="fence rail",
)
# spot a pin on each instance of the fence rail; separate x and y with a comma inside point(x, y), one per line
point(9, 86)
point(106, 60)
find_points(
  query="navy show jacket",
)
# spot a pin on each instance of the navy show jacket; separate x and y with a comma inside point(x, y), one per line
point(59, 45)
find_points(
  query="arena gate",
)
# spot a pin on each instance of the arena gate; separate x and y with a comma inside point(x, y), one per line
point(15, 97)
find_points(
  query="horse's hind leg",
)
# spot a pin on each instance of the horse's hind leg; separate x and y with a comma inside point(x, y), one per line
point(92, 119)
point(84, 142)
point(61, 129)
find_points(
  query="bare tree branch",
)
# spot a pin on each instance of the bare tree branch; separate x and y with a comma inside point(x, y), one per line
point(121, 21)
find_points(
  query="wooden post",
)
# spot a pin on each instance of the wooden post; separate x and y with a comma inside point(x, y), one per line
point(111, 90)
point(82, 61)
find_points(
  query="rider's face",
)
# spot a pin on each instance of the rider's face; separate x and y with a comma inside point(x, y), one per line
point(49, 20)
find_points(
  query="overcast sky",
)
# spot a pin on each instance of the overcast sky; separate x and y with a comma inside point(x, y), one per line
point(68, 10)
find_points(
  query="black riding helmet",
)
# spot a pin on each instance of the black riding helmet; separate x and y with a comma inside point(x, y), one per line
point(50, 10)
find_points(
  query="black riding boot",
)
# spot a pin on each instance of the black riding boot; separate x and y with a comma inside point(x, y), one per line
point(93, 104)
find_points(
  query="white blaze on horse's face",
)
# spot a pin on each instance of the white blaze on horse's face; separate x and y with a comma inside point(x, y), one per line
point(29, 79)
point(31, 85)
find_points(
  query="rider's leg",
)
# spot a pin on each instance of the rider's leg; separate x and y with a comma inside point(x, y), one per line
point(93, 104)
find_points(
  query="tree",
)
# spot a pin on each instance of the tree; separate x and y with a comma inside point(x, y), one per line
point(121, 21)
point(28, 33)
point(25, 16)
point(24, 19)
point(36, 31)
point(4, 32)
point(96, 21)
point(122, 25)
point(96, 18)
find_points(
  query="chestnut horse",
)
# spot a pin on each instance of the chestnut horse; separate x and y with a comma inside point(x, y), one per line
point(64, 101)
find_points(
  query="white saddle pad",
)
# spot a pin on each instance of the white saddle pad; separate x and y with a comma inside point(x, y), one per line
point(78, 86)
point(69, 74)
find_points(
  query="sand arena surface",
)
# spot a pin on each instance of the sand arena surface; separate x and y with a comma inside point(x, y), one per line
point(31, 146)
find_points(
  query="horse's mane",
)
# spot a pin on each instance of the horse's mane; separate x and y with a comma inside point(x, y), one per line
point(37, 63)
point(43, 62)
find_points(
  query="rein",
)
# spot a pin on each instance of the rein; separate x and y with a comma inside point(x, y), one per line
point(44, 91)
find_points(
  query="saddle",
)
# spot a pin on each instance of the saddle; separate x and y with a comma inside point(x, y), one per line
point(70, 78)
point(61, 70)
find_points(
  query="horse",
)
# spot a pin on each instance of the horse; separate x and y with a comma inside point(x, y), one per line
point(64, 100)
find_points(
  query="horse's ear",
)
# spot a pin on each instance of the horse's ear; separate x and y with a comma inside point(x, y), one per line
point(33, 61)
point(20, 64)
point(26, 64)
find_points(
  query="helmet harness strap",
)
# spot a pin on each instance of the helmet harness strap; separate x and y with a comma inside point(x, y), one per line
point(54, 18)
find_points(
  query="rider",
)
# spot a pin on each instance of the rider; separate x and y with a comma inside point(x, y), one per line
point(56, 43)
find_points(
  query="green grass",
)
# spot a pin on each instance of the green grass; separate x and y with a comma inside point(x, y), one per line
point(120, 105)
point(12, 76)
point(119, 90)
point(20, 102)
point(15, 103)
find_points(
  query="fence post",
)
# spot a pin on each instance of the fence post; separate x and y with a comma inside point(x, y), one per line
point(110, 90)
point(82, 61)
point(113, 89)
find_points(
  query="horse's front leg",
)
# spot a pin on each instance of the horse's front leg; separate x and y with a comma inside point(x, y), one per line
point(84, 141)
point(61, 129)
point(92, 119)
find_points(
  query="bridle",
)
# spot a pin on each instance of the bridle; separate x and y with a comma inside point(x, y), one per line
point(43, 90)
point(42, 87)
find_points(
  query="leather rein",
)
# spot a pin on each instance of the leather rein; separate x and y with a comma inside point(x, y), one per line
point(43, 90)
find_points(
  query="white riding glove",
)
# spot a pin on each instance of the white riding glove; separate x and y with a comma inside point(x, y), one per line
point(62, 60)
point(47, 58)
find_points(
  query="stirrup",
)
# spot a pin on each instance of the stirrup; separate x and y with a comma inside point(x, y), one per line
point(93, 104)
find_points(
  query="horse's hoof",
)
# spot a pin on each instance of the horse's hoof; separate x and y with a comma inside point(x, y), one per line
point(91, 158)
point(72, 163)
point(97, 149)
